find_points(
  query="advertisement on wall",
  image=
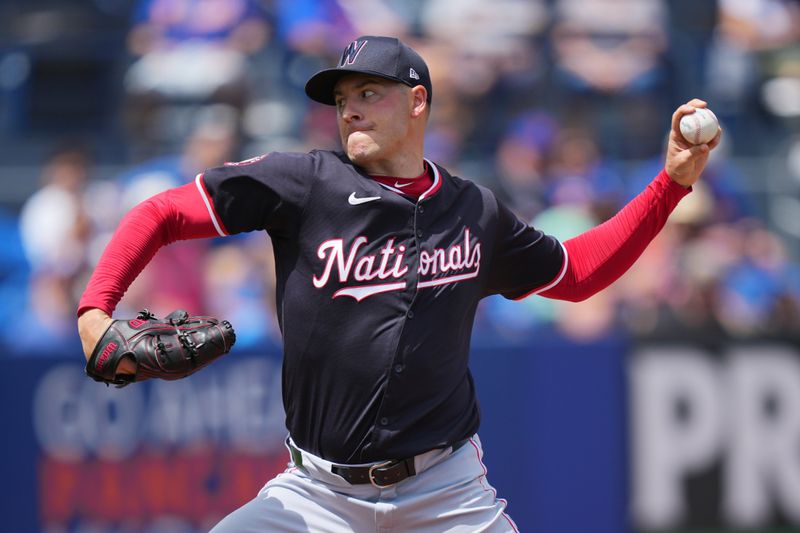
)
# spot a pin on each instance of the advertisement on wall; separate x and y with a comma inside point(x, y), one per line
point(666, 438)
point(715, 437)
point(157, 456)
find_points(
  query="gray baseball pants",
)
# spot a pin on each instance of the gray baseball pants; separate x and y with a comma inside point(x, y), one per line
point(450, 493)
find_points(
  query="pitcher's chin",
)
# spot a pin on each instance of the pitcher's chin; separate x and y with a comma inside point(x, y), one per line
point(361, 153)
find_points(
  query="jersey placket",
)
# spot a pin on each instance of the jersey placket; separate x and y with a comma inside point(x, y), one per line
point(397, 365)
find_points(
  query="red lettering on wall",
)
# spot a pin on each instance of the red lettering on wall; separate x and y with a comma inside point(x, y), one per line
point(198, 485)
point(58, 489)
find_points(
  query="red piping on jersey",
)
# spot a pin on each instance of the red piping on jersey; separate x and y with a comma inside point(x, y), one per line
point(437, 182)
point(201, 186)
point(555, 281)
point(598, 257)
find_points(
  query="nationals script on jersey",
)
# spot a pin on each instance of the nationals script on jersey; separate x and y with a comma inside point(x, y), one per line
point(461, 261)
point(376, 295)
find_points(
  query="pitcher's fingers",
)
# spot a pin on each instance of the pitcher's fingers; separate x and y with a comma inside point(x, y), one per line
point(716, 140)
point(698, 150)
point(685, 157)
point(677, 139)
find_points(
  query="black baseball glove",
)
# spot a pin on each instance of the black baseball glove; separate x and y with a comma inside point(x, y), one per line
point(171, 348)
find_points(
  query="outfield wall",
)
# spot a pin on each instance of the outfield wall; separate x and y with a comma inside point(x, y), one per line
point(604, 437)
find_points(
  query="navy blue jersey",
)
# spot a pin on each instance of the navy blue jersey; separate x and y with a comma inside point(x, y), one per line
point(376, 296)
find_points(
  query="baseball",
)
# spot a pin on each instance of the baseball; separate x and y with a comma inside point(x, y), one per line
point(699, 127)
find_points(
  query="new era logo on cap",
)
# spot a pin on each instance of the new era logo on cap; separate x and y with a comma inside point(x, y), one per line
point(386, 57)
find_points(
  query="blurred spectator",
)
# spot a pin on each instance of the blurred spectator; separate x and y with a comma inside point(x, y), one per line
point(484, 33)
point(55, 228)
point(610, 71)
point(692, 24)
point(756, 290)
point(53, 221)
point(602, 50)
point(750, 37)
point(486, 51)
point(174, 278)
point(240, 285)
point(375, 17)
point(581, 175)
point(313, 27)
point(714, 281)
point(191, 51)
point(522, 159)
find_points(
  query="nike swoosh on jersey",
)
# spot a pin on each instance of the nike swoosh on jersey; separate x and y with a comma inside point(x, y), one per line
point(353, 200)
point(401, 185)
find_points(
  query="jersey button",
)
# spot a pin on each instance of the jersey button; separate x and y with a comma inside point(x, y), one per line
point(410, 314)
point(421, 209)
point(384, 421)
point(398, 368)
point(419, 233)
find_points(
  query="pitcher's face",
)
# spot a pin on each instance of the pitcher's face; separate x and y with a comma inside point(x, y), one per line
point(373, 115)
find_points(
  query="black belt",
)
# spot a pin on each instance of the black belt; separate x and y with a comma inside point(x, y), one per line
point(380, 475)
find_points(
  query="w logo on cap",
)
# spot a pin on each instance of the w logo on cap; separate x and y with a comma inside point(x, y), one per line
point(351, 52)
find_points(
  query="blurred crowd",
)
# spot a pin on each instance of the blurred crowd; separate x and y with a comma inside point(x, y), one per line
point(560, 106)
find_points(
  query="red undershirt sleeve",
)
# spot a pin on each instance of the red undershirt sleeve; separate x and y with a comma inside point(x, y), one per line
point(176, 214)
point(600, 256)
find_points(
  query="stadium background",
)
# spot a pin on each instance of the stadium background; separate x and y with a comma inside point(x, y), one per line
point(668, 403)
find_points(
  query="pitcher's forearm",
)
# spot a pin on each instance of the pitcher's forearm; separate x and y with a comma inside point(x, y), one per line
point(91, 326)
point(176, 214)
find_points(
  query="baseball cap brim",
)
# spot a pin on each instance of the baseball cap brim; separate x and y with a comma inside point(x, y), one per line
point(320, 86)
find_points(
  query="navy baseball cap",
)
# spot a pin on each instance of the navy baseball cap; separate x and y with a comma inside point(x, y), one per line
point(386, 57)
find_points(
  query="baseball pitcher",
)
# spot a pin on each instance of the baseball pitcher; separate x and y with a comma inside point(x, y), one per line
point(382, 257)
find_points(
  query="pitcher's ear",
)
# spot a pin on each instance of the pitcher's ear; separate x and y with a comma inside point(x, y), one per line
point(420, 100)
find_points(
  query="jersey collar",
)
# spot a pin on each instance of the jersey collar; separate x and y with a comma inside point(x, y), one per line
point(427, 195)
point(435, 186)
point(410, 187)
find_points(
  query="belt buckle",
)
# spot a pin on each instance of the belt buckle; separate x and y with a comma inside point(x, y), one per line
point(371, 475)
